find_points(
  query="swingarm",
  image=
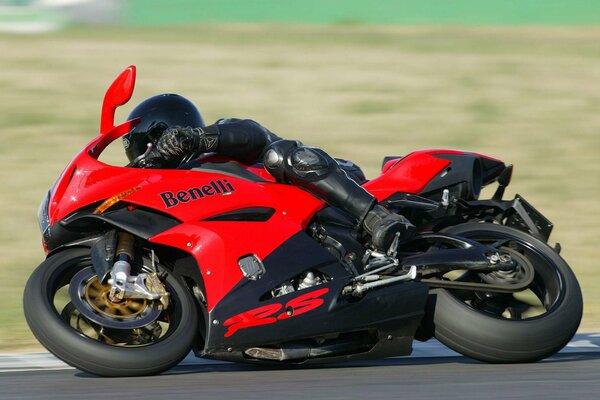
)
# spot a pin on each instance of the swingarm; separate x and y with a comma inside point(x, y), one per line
point(444, 253)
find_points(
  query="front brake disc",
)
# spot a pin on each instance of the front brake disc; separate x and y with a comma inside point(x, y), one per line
point(91, 298)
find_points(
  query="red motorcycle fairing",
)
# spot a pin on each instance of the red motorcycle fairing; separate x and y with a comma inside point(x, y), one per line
point(191, 197)
point(250, 316)
point(409, 174)
point(417, 172)
point(217, 246)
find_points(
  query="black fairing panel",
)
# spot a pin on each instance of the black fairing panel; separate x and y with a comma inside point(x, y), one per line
point(395, 309)
point(230, 168)
point(490, 169)
point(139, 221)
point(467, 174)
point(255, 214)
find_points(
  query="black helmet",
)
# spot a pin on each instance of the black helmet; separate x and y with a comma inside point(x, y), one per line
point(156, 114)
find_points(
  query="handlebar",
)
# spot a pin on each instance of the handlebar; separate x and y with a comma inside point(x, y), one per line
point(150, 159)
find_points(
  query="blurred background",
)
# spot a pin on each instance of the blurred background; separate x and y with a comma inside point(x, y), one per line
point(517, 80)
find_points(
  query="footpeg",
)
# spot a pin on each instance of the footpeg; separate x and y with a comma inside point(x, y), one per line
point(370, 281)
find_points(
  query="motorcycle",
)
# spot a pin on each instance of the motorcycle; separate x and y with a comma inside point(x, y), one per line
point(216, 256)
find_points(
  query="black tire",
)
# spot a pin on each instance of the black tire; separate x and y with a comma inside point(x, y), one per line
point(94, 356)
point(491, 338)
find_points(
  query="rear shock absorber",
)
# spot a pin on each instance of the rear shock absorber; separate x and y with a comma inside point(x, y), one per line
point(122, 268)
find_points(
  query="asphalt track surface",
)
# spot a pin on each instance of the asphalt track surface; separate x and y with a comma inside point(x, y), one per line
point(572, 374)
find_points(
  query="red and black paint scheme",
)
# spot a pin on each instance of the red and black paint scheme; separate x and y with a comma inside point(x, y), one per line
point(209, 217)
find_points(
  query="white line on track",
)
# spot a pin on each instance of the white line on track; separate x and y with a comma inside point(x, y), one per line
point(24, 362)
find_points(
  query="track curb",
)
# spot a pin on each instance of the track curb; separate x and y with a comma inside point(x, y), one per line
point(43, 361)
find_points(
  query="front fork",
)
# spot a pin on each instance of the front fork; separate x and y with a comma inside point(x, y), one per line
point(122, 268)
point(123, 285)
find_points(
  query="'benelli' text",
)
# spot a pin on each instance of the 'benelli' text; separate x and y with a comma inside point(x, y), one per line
point(220, 186)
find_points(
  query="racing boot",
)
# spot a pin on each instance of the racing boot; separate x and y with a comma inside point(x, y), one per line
point(314, 170)
point(383, 225)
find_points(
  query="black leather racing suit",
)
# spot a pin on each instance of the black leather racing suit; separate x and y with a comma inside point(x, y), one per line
point(288, 161)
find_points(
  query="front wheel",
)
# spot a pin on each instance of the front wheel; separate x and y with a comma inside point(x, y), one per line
point(131, 338)
point(509, 328)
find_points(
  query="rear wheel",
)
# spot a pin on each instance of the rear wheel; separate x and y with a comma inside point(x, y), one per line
point(129, 338)
point(516, 327)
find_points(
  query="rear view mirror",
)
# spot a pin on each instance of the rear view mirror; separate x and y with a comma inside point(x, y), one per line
point(118, 93)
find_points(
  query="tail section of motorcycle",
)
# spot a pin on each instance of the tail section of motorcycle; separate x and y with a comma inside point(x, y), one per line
point(522, 311)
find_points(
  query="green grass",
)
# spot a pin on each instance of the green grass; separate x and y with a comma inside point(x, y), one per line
point(529, 96)
point(414, 12)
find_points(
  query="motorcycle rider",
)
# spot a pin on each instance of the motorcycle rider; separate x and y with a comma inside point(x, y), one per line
point(177, 131)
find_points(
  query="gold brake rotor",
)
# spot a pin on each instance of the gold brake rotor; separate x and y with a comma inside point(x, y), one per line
point(97, 296)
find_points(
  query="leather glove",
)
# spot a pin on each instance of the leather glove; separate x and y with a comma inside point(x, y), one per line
point(177, 142)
